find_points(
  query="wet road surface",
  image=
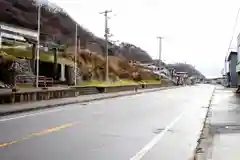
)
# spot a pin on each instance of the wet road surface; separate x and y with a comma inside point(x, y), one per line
point(157, 125)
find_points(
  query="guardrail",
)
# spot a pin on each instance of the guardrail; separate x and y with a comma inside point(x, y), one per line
point(45, 81)
point(31, 80)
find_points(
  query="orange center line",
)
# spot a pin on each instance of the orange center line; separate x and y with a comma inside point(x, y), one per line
point(36, 134)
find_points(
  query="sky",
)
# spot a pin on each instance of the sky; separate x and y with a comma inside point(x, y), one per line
point(197, 32)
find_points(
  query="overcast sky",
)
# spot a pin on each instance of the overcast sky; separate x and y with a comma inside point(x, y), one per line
point(195, 31)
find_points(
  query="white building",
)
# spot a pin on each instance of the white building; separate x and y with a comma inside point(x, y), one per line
point(9, 32)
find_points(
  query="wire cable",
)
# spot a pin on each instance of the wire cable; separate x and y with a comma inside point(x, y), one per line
point(234, 29)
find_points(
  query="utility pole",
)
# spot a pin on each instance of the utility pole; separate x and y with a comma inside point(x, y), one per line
point(106, 39)
point(160, 54)
point(38, 44)
point(75, 55)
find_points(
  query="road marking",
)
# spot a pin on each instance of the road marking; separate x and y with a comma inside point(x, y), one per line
point(39, 113)
point(156, 139)
point(37, 134)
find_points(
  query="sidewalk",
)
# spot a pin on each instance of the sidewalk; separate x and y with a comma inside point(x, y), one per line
point(222, 139)
point(23, 107)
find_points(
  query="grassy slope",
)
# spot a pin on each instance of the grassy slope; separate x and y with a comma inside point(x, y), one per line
point(46, 57)
point(119, 68)
point(118, 83)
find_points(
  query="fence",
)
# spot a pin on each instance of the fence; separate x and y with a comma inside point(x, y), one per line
point(31, 80)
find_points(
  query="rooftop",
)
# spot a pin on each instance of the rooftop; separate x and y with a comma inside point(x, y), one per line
point(230, 54)
point(18, 30)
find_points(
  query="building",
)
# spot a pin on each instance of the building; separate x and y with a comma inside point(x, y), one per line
point(182, 78)
point(50, 64)
point(232, 72)
point(12, 33)
point(238, 61)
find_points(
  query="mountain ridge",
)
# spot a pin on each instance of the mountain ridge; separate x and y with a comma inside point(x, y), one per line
point(57, 25)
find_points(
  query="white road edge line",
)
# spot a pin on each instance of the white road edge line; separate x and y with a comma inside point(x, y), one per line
point(38, 113)
point(156, 139)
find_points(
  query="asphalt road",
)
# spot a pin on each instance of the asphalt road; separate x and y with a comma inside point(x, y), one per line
point(158, 125)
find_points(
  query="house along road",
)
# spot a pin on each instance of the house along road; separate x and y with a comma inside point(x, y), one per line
point(157, 125)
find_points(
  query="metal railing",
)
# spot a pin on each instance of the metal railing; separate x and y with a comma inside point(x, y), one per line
point(31, 80)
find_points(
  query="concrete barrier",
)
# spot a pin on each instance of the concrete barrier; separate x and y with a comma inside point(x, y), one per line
point(48, 94)
point(111, 89)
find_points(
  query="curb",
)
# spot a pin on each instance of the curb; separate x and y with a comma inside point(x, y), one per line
point(78, 101)
point(198, 150)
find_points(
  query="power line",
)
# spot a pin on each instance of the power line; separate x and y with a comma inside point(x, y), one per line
point(234, 29)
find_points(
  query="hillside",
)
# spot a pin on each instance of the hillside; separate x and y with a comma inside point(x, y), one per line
point(182, 67)
point(93, 68)
point(57, 25)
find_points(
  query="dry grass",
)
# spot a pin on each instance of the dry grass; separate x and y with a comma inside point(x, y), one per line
point(92, 65)
point(104, 84)
point(118, 83)
point(119, 68)
point(7, 56)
